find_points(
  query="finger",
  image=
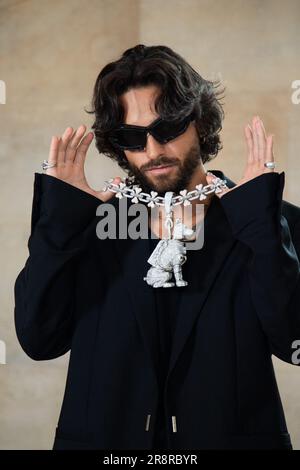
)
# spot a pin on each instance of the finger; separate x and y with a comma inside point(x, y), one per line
point(106, 195)
point(263, 129)
point(249, 142)
point(255, 141)
point(63, 144)
point(269, 153)
point(73, 143)
point(82, 149)
point(52, 157)
point(266, 142)
point(261, 142)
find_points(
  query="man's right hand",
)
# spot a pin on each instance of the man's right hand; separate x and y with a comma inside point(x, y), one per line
point(69, 153)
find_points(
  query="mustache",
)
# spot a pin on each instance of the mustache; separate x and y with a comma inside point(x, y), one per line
point(160, 162)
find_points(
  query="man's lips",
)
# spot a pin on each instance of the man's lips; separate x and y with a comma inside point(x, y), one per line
point(161, 169)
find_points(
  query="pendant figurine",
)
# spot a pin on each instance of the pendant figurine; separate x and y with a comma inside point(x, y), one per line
point(169, 254)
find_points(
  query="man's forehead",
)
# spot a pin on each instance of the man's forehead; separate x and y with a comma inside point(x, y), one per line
point(139, 106)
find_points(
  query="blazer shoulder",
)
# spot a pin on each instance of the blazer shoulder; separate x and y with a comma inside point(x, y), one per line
point(289, 210)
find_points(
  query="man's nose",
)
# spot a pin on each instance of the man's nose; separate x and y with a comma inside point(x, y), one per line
point(153, 148)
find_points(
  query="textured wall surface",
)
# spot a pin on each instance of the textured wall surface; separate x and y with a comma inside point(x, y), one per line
point(50, 55)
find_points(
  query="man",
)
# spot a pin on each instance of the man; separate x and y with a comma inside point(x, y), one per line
point(169, 368)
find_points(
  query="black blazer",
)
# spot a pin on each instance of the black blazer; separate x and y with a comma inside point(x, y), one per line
point(79, 293)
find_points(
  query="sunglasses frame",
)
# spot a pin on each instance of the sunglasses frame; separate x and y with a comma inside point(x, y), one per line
point(149, 130)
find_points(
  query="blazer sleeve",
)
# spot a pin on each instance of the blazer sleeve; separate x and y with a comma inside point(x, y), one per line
point(62, 221)
point(254, 211)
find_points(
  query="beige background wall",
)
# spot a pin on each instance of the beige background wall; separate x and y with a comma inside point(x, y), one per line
point(50, 55)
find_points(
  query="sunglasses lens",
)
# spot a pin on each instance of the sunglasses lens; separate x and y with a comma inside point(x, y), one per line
point(168, 130)
point(128, 139)
point(134, 139)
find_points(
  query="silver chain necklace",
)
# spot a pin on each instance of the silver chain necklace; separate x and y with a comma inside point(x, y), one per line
point(170, 253)
point(135, 193)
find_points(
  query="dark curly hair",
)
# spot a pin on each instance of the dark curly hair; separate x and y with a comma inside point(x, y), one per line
point(183, 91)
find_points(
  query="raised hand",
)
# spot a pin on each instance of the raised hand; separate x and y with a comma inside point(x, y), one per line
point(260, 151)
point(68, 153)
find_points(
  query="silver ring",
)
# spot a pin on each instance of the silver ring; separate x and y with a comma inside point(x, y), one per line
point(46, 165)
point(269, 164)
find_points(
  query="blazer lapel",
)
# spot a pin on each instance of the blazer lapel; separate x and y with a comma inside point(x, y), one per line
point(203, 266)
point(133, 256)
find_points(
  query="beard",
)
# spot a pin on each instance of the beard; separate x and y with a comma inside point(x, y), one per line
point(163, 183)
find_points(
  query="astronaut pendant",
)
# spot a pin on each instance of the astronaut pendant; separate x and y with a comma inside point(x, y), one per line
point(169, 254)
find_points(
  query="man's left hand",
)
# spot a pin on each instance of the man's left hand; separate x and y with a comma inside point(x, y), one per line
point(260, 150)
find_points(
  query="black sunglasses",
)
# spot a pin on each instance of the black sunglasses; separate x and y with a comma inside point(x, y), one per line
point(130, 137)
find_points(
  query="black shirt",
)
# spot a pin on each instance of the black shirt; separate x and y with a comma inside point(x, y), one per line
point(167, 302)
